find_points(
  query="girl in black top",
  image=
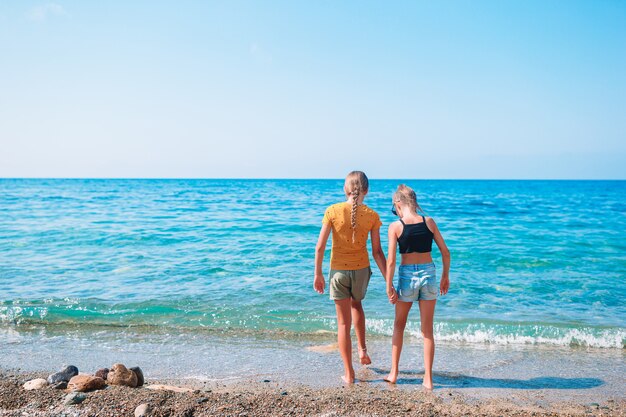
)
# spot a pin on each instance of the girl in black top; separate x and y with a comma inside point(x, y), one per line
point(417, 281)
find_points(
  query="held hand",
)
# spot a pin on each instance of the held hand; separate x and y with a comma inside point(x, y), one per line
point(392, 294)
point(319, 284)
point(444, 285)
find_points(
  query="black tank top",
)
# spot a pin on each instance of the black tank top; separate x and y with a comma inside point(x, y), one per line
point(415, 238)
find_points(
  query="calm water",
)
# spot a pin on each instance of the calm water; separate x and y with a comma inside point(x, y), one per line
point(534, 262)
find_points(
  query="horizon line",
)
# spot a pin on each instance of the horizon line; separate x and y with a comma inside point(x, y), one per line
point(310, 178)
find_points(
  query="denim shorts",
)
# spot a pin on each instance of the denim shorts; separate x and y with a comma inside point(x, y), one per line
point(417, 282)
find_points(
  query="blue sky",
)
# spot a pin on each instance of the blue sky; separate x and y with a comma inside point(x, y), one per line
point(450, 89)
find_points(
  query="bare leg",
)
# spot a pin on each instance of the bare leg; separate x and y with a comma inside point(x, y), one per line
point(344, 323)
point(358, 318)
point(427, 313)
point(402, 313)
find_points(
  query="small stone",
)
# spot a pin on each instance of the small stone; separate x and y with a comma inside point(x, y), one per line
point(266, 380)
point(594, 405)
point(120, 375)
point(202, 400)
point(61, 385)
point(74, 398)
point(84, 383)
point(143, 410)
point(284, 393)
point(64, 374)
point(102, 373)
point(137, 370)
point(35, 384)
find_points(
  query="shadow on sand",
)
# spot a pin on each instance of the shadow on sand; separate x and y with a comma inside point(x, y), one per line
point(449, 380)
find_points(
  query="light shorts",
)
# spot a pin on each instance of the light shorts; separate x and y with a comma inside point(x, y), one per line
point(349, 283)
point(417, 282)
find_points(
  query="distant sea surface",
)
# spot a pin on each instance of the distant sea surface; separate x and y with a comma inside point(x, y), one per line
point(533, 262)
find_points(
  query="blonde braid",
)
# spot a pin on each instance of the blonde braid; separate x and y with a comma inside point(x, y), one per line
point(356, 184)
point(355, 203)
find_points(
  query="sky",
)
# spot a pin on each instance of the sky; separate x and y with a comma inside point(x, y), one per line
point(313, 89)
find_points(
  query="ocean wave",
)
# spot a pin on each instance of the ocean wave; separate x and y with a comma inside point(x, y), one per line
point(515, 333)
point(153, 315)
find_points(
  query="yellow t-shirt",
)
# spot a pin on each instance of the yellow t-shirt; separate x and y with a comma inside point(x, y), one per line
point(345, 254)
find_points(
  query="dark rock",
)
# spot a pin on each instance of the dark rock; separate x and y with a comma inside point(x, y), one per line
point(202, 400)
point(64, 374)
point(266, 380)
point(74, 398)
point(60, 385)
point(102, 373)
point(284, 393)
point(137, 370)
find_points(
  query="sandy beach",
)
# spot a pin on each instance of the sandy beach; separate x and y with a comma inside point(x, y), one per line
point(269, 398)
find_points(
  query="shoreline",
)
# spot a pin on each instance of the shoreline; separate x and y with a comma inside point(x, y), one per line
point(227, 373)
point(267, 397)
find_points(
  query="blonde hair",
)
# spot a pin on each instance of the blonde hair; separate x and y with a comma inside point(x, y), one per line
point(356, 184)
point(405, 195)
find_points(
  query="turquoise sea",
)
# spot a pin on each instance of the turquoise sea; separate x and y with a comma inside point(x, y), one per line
point(533, 262)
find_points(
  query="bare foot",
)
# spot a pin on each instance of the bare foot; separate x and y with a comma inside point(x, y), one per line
point(427, 387)
point(364, 357)
point(392, 377)
point(347, 380)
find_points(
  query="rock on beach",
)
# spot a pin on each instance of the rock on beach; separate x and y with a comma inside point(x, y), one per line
point(35, 384)
point(137, 370)
point(84, 383)
point(64, 374)
point(102, 373)
point(143, 410)
point(74, 398)
point(120, 375)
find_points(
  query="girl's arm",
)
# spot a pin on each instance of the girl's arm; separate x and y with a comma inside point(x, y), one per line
point(318, 281)
point(445, 256)
point(391, 263)
point(377, 251)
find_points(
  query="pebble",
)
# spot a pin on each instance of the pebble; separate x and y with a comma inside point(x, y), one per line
point(35, 384)
point(266, 380)
point(284, 393)
point(74, 398)
point(143, 410)
point(64, 374)
point(120, 375)
point(202, 400)
point(137, 370)
point(84, 383)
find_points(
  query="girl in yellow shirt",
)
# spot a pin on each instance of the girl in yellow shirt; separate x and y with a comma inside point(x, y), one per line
point(350, 222)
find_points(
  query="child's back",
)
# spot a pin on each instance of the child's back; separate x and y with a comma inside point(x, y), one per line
point(349, 244)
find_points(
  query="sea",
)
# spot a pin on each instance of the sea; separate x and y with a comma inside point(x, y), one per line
point(212, 278)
